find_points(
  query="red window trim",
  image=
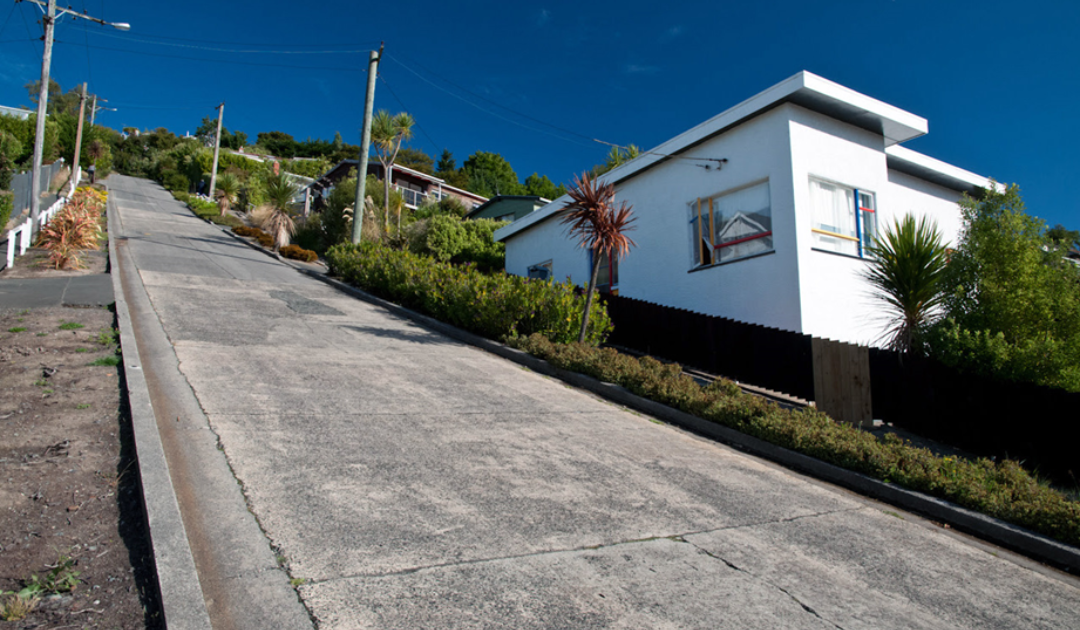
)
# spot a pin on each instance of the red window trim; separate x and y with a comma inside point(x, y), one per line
point(742, 240)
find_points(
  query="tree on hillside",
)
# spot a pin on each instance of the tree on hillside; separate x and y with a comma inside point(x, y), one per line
point(615, 158)
point(446, 164)
point(1012, 302)
point(907, 264)
point(490, 174)
point(541, 186)
point(277, 143)
point(387, 133)
point(1060, 236)
point(417, 160)
point(598, 226)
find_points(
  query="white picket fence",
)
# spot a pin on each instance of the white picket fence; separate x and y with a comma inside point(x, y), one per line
point(19, 237)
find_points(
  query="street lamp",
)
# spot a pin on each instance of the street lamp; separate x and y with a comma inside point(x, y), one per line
point(43, 96)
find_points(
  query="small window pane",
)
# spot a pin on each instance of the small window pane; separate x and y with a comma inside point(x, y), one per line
point(834, 218)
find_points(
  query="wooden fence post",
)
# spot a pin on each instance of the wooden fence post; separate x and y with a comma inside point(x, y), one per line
point(842, 381)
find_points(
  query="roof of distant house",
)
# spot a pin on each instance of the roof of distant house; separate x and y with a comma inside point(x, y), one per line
point(17, 112)
point(501, 198)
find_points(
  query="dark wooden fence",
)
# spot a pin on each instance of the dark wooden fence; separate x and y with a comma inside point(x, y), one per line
point(991, 418)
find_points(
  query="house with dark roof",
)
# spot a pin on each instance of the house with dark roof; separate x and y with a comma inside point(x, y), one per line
point(415, 187)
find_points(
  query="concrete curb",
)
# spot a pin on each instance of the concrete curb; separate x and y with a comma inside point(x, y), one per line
point(178, 581)
point(993, 530)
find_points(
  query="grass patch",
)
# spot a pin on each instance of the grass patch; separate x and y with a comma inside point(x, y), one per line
point(107, 337)
point(82, 406)
point(17, 329)
point(71, 326)
point(81, 350)
point(42, 334)
point(107, 361)
point(1002, 489)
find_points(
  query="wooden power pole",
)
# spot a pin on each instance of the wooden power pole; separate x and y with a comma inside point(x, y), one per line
point(365, 145)
point(217, 147)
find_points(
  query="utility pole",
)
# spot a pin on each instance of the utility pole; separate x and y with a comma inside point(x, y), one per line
point(78, 133)
point(217, 147)
point(42, 107)
point(365, 144)
point(48, 22)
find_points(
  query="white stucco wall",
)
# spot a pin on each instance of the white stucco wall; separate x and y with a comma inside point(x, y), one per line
point(837, 302)
point(795, 287)
point(762, 290)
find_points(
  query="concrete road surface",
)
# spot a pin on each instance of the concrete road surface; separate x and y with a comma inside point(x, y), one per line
point(404, 480)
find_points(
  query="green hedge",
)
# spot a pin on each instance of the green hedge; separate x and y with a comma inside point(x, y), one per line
point(1000, 489)
point(6, 204)
point(495, 306)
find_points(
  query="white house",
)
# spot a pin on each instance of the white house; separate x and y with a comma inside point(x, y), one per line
point(763, 212)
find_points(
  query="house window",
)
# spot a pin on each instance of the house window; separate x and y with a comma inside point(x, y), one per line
point(607, 277)
point(732, 225)
point(541, 271)
point(844, 219)
point(506, 217)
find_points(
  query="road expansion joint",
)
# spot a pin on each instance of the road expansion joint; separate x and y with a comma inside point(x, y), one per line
point(735, 567)
point(679, 538)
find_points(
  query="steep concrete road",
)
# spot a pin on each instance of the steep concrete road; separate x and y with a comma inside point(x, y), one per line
point(410, 481)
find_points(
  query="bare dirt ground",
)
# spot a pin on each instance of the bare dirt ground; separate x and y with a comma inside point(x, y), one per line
point(71, 517)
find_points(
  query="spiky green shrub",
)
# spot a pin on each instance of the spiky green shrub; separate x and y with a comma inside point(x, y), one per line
point(6, 203)
point(495, 306)
point(1000, 489)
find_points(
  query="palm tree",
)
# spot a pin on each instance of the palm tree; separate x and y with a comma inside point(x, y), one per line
point(909, 261)
point(387, 133)
point(280, 192)
point(599, 226)
point(228, 191)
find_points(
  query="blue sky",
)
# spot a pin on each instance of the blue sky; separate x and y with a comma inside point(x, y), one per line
point(535, 82)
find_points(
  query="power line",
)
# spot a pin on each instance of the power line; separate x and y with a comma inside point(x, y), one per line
point(7, 19)
point(214, 41)
point(536, 120)
point(133, 38)
point(241, 63)
point(404, 108)
point(486, 111)
point(30, 34)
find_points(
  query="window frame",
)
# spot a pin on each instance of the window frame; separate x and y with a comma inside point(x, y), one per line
point(699, 245)
point(863, 236)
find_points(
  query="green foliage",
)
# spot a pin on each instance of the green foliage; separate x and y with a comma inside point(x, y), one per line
point(541, 186)
point(448, 205)
point(277, 143)
point(71, 326)
point(495, 306)
point(112, 361)
point(18, 138)
point(446, 164)
point(907, 263)
point(1012, 303)
point(490, 174)
point(1000, 489)
point(17, 329)
point(448, 238)
point(313, 168)
point(6, 205)
point(10, 151)
point(416, 159)
point(615, 158)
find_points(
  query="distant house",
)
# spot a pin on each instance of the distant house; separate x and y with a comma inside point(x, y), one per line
point(17, 112)
point(764, 212)
point(415, 187)
point(507, 207)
